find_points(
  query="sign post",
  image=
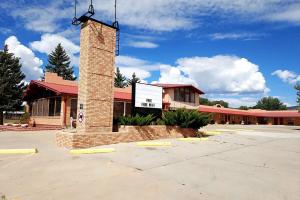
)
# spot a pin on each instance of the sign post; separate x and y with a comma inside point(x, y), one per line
point(146, 99)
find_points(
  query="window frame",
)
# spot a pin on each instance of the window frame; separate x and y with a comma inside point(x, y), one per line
point(41, 107)
point(184, 94)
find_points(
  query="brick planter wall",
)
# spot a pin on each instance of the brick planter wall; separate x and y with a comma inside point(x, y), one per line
point(125, 134)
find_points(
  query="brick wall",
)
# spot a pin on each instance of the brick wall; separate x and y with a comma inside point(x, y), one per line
point(125, 134)
point(96, 75)
point(54, 78)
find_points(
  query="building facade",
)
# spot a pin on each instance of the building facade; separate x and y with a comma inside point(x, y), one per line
point(54, 102)
point(221, 115)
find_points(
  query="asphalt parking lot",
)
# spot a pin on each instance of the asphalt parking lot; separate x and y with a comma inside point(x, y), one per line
point(244, 162)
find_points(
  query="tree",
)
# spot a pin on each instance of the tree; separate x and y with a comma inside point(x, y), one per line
point(221, 102)
point(297, 87)
point(270, 103)
point(59, 62)
point(120, 80)
point(133, 80)
point(244, 108)
point(205, 101)
point(11, 85)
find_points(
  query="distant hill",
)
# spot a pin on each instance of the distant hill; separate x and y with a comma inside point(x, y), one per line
point(292, 108)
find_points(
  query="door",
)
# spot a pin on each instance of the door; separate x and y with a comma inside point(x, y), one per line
point(275, 121)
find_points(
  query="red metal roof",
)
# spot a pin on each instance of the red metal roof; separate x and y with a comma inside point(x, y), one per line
point(124, 96)
point(256, 113)
point(58, 88)
point(73, 90)
point(165, 86)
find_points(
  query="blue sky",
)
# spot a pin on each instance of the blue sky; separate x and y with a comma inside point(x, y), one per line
point(235, 50)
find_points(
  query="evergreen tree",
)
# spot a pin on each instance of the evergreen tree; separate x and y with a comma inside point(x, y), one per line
point(120, 80)
point(11, 86)
point(133, 80)
point(297, 87)
point(59, 62)
point(270, 103)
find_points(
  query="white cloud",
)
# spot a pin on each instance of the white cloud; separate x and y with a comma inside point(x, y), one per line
point(218, 74)
point(169, 15)
point(42, 18)
point(287, 76)
point(142, 44)
point(236, 101)
point(129, 65)
point(169, 74)
point(30, 63)
point(48, 43)
point(140, 73)
point(156, 15)
point(235, 36)
point(5, 31)
point(290, 14)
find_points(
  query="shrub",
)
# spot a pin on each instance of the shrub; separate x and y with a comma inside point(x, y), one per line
point(25, 118)
point(186, 118)
point(136, 120)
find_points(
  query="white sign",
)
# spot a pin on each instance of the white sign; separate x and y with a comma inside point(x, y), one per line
point(80, 116)
point(148, 96)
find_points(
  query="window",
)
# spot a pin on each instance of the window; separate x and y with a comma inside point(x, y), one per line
point(51, 106)
point(46, 107)
point(73, 112)
point(184, 95)
point(57, 106)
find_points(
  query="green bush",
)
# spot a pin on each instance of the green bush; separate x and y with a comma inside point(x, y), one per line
point(25, 118)
point(136, 120)
point(182, 117)
point(186, 118)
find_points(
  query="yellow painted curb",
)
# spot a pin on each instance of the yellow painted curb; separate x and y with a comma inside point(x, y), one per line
point(154, 144)
point(18, 151)
point(90, 151)
point(212, 132)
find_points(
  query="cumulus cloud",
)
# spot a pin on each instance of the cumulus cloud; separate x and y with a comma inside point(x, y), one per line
point(31, 65)
point(169, 74)
point(48, 43)
point(218, 74)
point(287, 76)
point(142, 44)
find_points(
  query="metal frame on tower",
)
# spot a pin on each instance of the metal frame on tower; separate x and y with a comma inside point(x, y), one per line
point(88, 15)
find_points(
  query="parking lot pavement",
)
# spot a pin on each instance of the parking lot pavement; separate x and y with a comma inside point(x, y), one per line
point(251, 162)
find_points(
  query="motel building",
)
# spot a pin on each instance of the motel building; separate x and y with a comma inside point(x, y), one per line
point(53, 102)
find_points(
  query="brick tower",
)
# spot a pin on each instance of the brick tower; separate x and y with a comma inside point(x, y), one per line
point(96, 77)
